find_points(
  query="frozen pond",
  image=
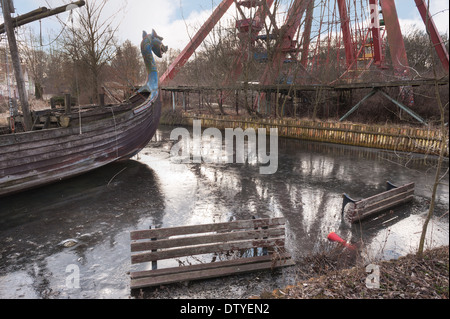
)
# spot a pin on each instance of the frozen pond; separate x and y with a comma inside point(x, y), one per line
point(82, 226)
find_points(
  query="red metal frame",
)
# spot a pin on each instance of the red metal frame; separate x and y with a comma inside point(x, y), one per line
point(184, 56)
point(376, 34)
point(434, 34)
point(306, 40)
point(395, 39)
point(287, 43)
point(397, 49)
point(260, 16)
point(346, 33)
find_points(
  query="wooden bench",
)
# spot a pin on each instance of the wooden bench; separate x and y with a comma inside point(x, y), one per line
point(244, 237)
point(371, 206)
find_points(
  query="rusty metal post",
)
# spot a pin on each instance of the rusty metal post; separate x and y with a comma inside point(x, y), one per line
point(346, 33)
point(307, 35)
point(184, 56)
point(397, 49)
point(285, 43)
point(395, 39)
point(434, 33)
point(375, 29)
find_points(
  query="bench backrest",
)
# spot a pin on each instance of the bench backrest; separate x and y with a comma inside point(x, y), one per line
point(167, 243)
point(380, 202)
point(385, 196)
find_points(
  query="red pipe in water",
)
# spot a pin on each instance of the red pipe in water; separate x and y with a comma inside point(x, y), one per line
point(335, 237)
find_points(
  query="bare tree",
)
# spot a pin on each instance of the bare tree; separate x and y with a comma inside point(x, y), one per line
point(90, 40)
point(127, 65)
point(58, 75)
point(444, 146)
point(36, 63)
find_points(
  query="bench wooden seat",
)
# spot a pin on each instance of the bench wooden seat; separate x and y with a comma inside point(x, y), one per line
point(369, 207)
point(263, 235)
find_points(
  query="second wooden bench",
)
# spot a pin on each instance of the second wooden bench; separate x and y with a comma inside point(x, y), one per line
point(370, 206)
point(265, 235)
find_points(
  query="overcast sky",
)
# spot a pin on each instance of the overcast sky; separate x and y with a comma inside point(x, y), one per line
point(175, 20)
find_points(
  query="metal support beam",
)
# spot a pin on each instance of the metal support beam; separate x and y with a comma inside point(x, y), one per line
point(290, 28)
point(400, 105)
point(404, 108)
point(395, 39)
point(375, 29)
point(346, 33)
point(397, 48)
point(184, 56)
point(372, 93)
point(245, 44)
point(292, 23)
point(434, 33)
point(306, 41)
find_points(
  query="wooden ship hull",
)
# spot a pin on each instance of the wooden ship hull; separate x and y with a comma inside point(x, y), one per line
point(88, 139)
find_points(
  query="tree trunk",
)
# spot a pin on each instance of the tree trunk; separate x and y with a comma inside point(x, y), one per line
point(95, 86)
point(437, 176)
point(38, 91)
point(437, 179)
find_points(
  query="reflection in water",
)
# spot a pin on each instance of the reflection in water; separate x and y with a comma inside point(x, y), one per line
point(99, 209)
point(95, 211)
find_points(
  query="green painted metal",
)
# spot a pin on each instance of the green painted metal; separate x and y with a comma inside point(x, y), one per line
point(372, 93)
point(404, 108)
point(400, 105)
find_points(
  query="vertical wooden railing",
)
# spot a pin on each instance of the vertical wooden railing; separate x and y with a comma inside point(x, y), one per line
point(423, 140)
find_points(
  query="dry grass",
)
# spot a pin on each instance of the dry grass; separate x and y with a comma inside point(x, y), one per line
point(408, 277)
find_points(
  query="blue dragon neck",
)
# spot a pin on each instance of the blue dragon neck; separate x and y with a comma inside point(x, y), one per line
point(152, 83)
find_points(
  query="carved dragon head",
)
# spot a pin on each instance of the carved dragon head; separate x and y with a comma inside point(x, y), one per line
point(154, 43)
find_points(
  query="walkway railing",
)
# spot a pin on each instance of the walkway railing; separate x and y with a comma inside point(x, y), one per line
point(423, 140)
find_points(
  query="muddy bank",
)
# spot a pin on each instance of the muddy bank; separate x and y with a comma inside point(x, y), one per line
point(408, 277)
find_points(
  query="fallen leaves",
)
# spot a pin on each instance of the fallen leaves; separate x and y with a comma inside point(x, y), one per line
point(408, 277)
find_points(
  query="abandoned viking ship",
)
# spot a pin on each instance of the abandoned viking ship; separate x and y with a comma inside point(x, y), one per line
point(85, 139)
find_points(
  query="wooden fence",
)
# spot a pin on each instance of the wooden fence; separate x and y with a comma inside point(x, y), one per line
point(422, 140)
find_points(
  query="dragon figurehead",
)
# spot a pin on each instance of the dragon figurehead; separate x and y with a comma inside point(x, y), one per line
point(151, 44)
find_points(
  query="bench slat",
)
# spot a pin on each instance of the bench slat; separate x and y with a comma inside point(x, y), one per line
point(378, 203)
point(169, 243)
point(208, 228)
point(203, 266)
point(207, 273)
point(376, 198)
point(360, 216)
point(206, 239)
point(378, 206)
point(205, 249)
